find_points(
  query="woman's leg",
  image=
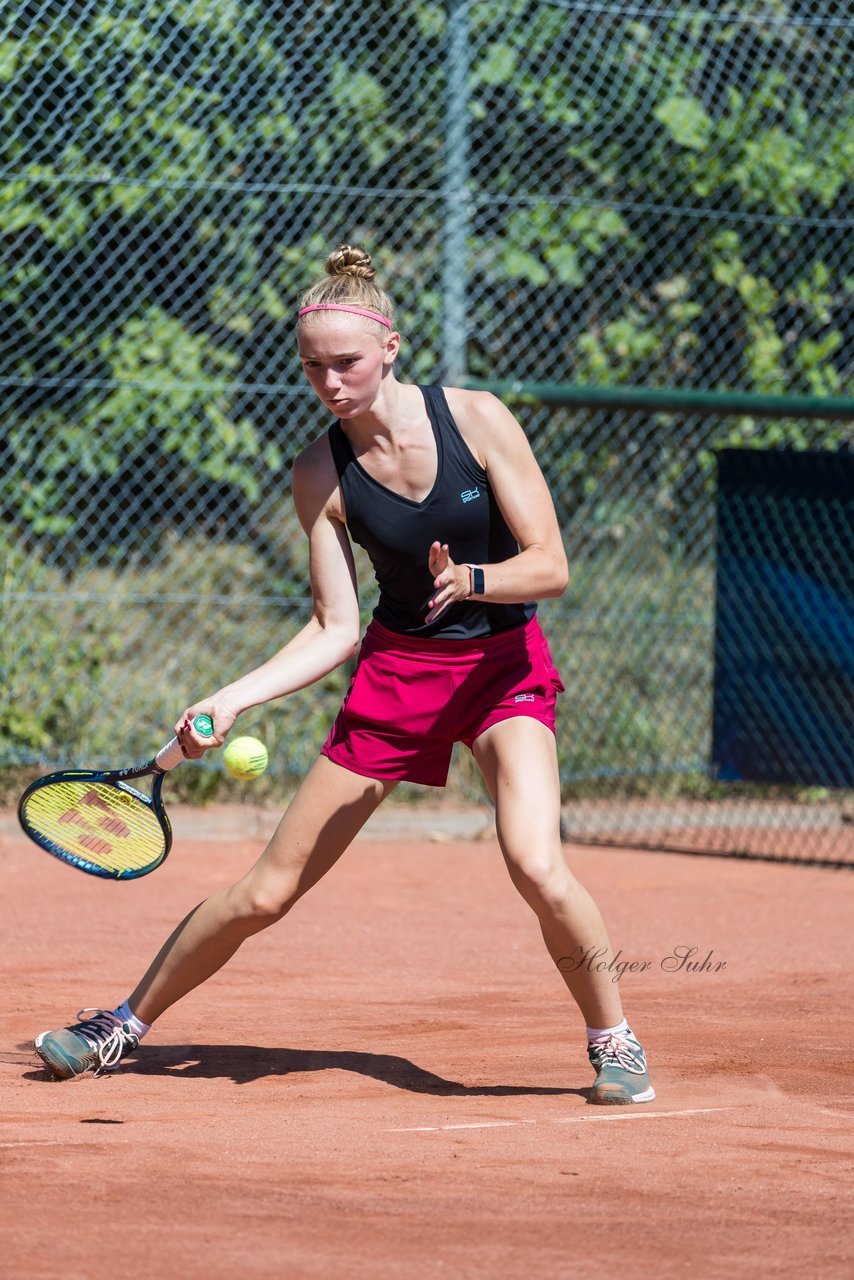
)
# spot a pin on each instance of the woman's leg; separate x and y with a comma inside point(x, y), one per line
point(518, 760)
point(329, 809)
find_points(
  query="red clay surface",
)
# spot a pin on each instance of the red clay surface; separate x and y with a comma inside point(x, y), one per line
point(392, 1081)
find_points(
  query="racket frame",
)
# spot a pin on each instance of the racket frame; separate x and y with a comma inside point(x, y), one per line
point(167, 758)
point(118, 778)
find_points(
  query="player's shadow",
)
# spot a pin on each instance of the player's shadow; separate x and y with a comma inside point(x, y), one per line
point(245, 1063)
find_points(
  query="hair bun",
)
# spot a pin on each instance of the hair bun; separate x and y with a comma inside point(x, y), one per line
point(348, 260)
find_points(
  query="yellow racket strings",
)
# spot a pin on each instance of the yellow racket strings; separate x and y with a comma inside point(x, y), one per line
point(96, 823)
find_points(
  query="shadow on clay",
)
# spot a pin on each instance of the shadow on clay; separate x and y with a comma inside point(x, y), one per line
point(245, 1063)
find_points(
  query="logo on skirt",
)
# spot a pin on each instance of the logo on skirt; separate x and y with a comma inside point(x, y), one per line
point(524, 697)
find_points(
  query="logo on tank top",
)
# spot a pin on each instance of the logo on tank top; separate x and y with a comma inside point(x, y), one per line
point(469, 495)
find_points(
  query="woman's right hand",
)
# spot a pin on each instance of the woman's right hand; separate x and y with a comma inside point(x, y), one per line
point(195, 744)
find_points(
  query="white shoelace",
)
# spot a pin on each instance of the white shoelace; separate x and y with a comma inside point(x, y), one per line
point(104, 1033)
point(618, 1051)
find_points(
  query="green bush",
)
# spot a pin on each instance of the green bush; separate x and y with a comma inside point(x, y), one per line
point(96, 673)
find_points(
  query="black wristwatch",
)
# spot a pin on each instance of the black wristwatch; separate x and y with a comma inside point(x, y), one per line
point(477, 584)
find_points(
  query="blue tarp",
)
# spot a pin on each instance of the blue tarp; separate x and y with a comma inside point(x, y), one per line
point(784, 618)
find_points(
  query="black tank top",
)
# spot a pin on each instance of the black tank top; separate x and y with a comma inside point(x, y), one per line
point(396, 532)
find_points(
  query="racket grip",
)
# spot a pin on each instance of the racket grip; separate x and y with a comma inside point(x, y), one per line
point(170, 755)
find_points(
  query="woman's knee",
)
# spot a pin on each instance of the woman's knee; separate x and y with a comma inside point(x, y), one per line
point(543, 879)
point(262, 902)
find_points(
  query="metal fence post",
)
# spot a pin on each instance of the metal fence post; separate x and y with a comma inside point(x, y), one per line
point(455, 196)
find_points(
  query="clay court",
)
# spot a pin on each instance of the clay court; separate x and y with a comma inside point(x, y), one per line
point(392, 1082)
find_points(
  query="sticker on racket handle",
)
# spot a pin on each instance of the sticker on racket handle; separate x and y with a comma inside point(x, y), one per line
point(170, 755)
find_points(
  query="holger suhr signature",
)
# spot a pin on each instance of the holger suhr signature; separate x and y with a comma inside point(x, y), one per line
point(681, 959)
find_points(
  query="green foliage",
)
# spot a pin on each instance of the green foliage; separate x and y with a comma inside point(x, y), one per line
point(129, 129)
point(103, 678)
point(154, 349)
point(52, 669)
point(686, 121)
point(108, 673)
point(689, 112)
point(638, 676)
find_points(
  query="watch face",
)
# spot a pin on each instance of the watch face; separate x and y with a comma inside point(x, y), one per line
point(477, 582)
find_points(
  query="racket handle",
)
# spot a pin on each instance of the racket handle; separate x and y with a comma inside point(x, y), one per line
point(170, 755)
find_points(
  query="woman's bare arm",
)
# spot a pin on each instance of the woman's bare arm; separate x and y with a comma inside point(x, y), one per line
point(331, 634)
point(539, 570)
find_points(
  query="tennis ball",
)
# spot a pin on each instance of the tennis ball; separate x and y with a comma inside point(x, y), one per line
point(245, 758)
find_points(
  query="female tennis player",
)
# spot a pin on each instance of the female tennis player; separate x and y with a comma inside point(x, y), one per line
point(441, 489)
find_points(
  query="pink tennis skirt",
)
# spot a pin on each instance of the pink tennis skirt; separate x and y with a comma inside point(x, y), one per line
point(410, 700)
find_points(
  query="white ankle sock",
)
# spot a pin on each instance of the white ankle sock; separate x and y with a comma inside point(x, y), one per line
point(622, 1028)
point(129, 1018)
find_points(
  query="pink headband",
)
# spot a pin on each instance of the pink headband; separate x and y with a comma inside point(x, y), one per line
point(356, 311)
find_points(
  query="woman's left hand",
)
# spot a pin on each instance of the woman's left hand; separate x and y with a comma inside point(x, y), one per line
point(450, 581)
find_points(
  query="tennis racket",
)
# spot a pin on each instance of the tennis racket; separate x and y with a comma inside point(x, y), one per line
point(97, 822)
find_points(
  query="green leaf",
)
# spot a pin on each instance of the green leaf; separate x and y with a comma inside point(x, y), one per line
point(520, 265)
point(687, 121)
point(497, 67)
point(9, 53)
point(565, 263)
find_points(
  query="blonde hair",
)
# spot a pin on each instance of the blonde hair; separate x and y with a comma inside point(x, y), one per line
point(349, 282)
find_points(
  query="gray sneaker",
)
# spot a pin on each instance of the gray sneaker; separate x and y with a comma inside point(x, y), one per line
point(97, 1043)
point(621, 1074)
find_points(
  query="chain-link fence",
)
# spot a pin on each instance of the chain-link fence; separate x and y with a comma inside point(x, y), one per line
point(607, 194)
point(710, 694)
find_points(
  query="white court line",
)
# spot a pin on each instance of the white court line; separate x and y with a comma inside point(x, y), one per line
point(642, 1115)
point(513, 1124)
point(36, 1142)
point(486, 1124)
